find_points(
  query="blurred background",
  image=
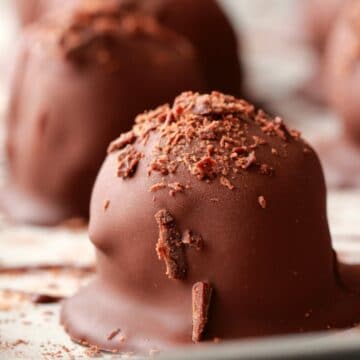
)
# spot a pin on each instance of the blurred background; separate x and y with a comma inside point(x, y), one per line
point(279, 64)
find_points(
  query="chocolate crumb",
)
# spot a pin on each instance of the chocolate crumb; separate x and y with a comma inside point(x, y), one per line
point(92, 351)
point(106, 204)
point(124, 140)
point(193, 240)
point(45, 299)
point(128, 161)
point(20, 342)
point(201, 298)
point(175, 188)
point(266, 170)
point(211, 136)
point(226, 182)
point(205, 168)
point(262, 201)
point(169, 246)
point(158, 186)
point(113, 334)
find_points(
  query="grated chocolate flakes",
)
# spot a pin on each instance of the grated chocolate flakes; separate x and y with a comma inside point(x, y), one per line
point(201, 299)
point(169, 247)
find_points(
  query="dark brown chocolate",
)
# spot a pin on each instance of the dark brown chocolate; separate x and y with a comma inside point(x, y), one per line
point(94, 70)
point(266, 249)
point(202, 22)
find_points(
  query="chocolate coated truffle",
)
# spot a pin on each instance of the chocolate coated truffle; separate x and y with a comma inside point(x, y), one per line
point(30, 11)
point(79, 83)
point(341, 156)
point(202, 22)
point(319, 17)
point(209, 220)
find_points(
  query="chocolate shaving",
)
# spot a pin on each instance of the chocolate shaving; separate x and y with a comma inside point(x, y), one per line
point(246, 161)
point(206, 168)
point(45, 299)
point(193, 240)
point(113, 334)
point(262, 201)
point(169, 246)
point(212, 137)
point(266, 170)
point(158, 186)
point(106, 204)
point(128, 161)
point(226, 182)
point(125, 139)
point(175, 188)
point(201, 298)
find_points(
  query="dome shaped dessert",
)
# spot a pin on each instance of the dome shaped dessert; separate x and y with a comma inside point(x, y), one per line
point(30, 11)
point(209, 220)
point(80, 80)
point(202, 22)
point(341, 156)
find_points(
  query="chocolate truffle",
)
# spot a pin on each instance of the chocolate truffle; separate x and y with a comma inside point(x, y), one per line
point(79, 83)
point(319, 17)
point(341, 155)
point(30, 11)
point(209, 220)
point(202, 22)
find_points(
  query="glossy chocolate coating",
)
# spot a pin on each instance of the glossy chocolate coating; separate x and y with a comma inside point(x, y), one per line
point(341, 156)
point(79, 83)
point(261, 212)
point(202, 22)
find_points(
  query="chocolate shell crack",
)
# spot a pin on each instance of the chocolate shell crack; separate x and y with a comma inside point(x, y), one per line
point(201, 299)
point(169, 247)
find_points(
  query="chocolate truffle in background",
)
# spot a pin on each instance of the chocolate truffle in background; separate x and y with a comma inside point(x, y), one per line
point(30, 11)
point(212, 225)
point(79, 83)
point(319, 16)
point(202, 22)
point(341, 155)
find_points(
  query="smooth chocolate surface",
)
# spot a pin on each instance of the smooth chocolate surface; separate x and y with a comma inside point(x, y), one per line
point(202, 22)
point(80, 80)
point(219, 188)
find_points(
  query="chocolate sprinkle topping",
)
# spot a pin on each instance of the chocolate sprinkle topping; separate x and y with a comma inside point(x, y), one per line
point(169, 246)
point(193, 240)
point(128, 161)
point(201, 298)
point(209, 136)
point(124, 139)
